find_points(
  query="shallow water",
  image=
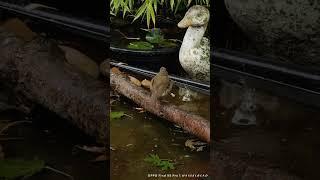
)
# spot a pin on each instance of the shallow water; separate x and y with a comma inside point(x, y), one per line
point(286, 134)
point(134, 138)
point(51, 139)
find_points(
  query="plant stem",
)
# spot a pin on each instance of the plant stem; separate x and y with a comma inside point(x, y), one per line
point(12, 124)
point(59, 172)
point(129, 38)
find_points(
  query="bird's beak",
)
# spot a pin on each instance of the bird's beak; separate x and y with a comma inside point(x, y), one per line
point(185, 22)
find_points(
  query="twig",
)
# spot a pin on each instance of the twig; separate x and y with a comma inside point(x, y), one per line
point(126, 36)
point(147, 30)
point(12, 124)
point(175, 40)
point(59, 172)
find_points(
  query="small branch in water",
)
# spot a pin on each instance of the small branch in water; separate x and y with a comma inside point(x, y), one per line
point(129, 38)
point(59, 172)
point(12, 124)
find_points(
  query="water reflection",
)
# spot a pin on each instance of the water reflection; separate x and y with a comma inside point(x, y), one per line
point(261, 129)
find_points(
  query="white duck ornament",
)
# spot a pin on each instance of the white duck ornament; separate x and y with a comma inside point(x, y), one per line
point(194, 55)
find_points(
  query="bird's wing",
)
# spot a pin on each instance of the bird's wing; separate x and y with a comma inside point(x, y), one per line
point(151, 84)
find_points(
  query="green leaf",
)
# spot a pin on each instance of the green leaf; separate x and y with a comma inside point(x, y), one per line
point(116, 114)
point(155, 6)
point(155, 36)
point(14, 168)
point(156, 161)
point(171, 4)
point(177, 6)
point(140, 11)
point(148, 17)
point(140, 45)
point(153, 16)
point(166, 165)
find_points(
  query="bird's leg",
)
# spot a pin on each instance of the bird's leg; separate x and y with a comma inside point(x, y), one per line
point(169, 88)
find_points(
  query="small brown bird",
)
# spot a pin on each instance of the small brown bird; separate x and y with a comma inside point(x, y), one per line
point(160, 84)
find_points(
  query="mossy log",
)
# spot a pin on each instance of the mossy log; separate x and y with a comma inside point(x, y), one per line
point(36, 70)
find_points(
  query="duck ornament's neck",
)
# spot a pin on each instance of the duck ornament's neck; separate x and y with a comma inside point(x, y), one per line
point(192, 37)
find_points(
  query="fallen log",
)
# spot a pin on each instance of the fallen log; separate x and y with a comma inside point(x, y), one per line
point(194, 124)
point(36, 70)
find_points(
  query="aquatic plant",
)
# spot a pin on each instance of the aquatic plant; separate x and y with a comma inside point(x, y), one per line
point(148, 9)
point(140, 45)
point(162, 163)
point(116, 114)
point(153, 37)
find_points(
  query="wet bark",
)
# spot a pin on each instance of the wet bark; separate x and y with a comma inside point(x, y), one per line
point(194, 124)
point(37, 72)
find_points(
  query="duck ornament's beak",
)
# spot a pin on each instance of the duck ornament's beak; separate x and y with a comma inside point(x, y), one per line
point(196, 16)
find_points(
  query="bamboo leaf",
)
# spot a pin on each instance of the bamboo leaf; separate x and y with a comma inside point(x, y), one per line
point(155, 6)
point(153, 16)
point(189, 2)
point(148, 19)
point(177, 6)
point(171, 4)
point(140, 11)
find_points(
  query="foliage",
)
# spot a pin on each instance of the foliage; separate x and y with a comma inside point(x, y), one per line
point(140, 45)
point(116, 115)
point(156, 161)
point(148, 9)
point(153, 36)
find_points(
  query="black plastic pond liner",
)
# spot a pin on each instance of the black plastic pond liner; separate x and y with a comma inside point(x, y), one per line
point(97, 9)
point(151, 60)
point(179, 81)
point(70, 23)
point(287, 80)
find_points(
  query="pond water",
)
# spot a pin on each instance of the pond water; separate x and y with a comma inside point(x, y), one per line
point(137, 135)
point(52, 140)
point(285, 135)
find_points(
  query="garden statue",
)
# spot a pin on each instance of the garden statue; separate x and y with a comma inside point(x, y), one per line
point(194, 55)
